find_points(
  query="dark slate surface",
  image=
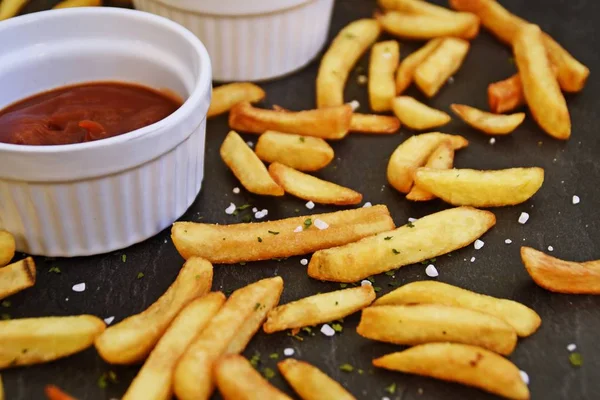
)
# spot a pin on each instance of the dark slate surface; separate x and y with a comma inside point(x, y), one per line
point(571, 169)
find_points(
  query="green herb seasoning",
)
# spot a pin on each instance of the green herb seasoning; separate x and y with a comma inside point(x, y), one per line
point(243, 207)
point(391, 389)
point(274, 356)
point(259, 239)
point(337, 327)
point(395, 251)
point(124, 257)
point(302, 139)
point(387, 238)
point(576, 359)
point(307, 223)
point(346, 368)
point(246, 219)
point(273, 232)
point(343, 285)
point(255, 359)
point(410, 224)
point(377, 289)
point(6, 303)
point(390, 273)
point(140, 275)
point(56, 270)
point(256, 306)
point(268, 373)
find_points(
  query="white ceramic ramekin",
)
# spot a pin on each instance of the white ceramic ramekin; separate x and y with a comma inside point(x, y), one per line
point(252, 40)
point(100, 196)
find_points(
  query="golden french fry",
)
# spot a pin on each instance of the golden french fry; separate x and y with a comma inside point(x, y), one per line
point(55, 393)
point(345, 50)
point(442, 63)
point(303, 153)
point(131, 340)
point(417, 115)
point(383, 63)
point(469, 187)
point(404, 76)
point(572, 75)
point(372, 123)
point(193, 378)
point(561, 276)
point(506, 95)
point(238, 380)
point(491, 124)
point(453, 362)
point(278, 239)
point(10, 8)
point(16, 277)
point(523, 319)
point(328, 123)
point(413, 153)
point(428, 237)
point(308, 187)
point(78, 3)
point(423, 27)
point(542, 92)
point(310, 383)
point(441, 158)
point(7, 248)
point(1, 389)
point(226, 96)
point(319, 309)
point(247, 167)
point(30, 341)
point(155, 378)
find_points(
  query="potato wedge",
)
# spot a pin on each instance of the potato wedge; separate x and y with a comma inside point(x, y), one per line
point(308, 187)
point(523, 319)
point(542, 92)
point(154, 380)
point(241, 240)
point(78, 3)
point(491, 124)
point(424, 27)
point(10, 8)
point(238, 380)
point(469, 365)
point(441, 158)
point(310, 383)
point(193, 378)
point(329, 123)
point(55, 393)
point(31, 341)
point(247, 167)
point(16, 277)
point(561, 276)
point(506, 95)
point(424, 323)
point(7, 248)
point(319, 309)
point(414, 153)
point(345, 50)
point(299, 152)
point(469, 187)
point(226, 96)
point(372, 123)
point(417, 115)
point(442, 63)
point(428, 237)
point(383, 63)
point(404, 76)
point(131, 340)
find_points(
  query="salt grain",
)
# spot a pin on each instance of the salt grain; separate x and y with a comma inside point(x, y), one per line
point(327, 330)
point(508, 241)
point(109, 320)
point(288, 352)
point(478, 244)
point(304, 261)
point(365, 282)
point(254, 209)
point(298, 229)
point(492, 140)
point(310, 205)
point(412, 219)
point(354, 104)
point(261, 214)
point(320, 224)
point(368, 204)
point(550, 248)
point(231, 209)
point(576, 200)
point(236, 190)
point(250, 144)
point(431, 271)
point(472, 259)
point(572, 347)
point(80, 287)
point(525, 377)
point(523, 218)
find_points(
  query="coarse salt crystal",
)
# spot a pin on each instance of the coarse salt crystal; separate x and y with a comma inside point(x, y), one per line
point(327, 330)
point(254, 209)
point(298, 229)
point(288, 352)
point(310, 205)
point(236, 190)
point(250, 144)
point(451, 80)
point(304, 261)
point(366, 282)
point(431, 271)
point(387, 54)
point(231, 209)
point(576, 200)
point(320, 224)
point(354, 104)
point(412, 219)
point(492, 140)
point(385, 398)
point(362, 79)
point(368, 204)
point(472, 259)
point(109, 320)
point(260, 214)
point(525, 377)
point(80, 287)
point(523, 218)
point(550, 248)
point(479, 244)
point(508, 241)
point(572, 347)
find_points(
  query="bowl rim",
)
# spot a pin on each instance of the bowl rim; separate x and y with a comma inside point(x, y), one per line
point(234, 8)
point(199, 91)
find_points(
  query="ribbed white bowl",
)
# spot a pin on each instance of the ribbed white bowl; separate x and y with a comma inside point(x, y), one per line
point(252, 40)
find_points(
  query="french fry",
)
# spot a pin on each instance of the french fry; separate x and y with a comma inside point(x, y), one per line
point(453, 362)
point(542, 92)
point(383, 63)
point(428, 237)
point(319, 309)
point(572, 75)
point(30, 341)
point(442, 63)
point(295, 151)
point(424, 323)
point(78, 3)
point(441, 158)
point(16, 277)
point(424, 27)
point(561, 276)
point(242, 240)
point(193, 378)
point(417, 115)
point(226, 96)
point(329, 123)
point(131, 340)
point(308, 187)
point(345, 50)
point(1, 389)
point(404, 76)
point(310, 383)
point(491, 124)
point(372, 123)
point(7, 248)
point(55, 393)
point(414, 153)
point(247, 167)
point(238, 380)
point(10, 8)
point(154, 381)
point(506, 95)
point(469, 187)
point(523, 319)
